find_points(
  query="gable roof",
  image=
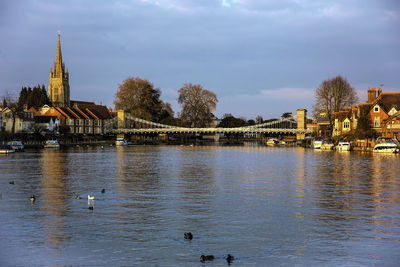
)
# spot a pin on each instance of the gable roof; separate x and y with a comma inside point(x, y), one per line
point(99, 110)
point(388, 100)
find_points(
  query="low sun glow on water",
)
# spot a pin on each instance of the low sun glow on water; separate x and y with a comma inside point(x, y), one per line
point(265, 206)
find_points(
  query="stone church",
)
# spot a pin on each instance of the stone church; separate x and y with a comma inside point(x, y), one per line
point(59, 81)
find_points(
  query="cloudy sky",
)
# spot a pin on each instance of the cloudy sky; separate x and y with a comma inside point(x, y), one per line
point(261, 57)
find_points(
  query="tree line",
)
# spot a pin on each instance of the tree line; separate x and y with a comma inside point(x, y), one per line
point(141, 99)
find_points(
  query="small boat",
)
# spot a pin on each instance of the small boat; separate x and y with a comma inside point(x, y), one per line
point(6, 149)
point(272, 142)
point(16, 145)
point(121, 142)
point(52, 144)
point(343, 146)
point(327, 145)
point(317, 142)
point(386, 145)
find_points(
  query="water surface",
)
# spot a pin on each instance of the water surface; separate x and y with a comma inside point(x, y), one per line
point(264, 205)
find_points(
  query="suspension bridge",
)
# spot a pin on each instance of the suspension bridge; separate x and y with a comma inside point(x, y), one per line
point(125, 124)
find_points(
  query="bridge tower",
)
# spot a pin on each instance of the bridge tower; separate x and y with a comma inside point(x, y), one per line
point(301, 123)
point(121, 122)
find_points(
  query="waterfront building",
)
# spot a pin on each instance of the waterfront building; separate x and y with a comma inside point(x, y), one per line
point(382, 110)
point(79, 117)
point(23, 121)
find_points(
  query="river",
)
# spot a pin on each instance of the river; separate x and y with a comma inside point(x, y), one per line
point(266, 206)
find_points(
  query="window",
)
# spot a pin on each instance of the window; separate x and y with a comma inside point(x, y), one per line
point(346, 125)
point(376, 109)
point(70, 122)
point(377, 122)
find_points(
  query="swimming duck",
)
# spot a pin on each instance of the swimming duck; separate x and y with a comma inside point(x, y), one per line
point(32, 198)
point(91, 207)
point(103, 191)
point(78, 197)
point(90, 197)
point(229, 259)
point(206, 258)
point(188, 235)
point(11, 182)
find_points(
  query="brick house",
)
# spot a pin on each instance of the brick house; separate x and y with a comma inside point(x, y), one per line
point(382, 110)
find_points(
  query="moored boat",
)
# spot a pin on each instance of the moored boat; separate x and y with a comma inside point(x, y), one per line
point(16, 145)
point(343, 146)
point(52, 144)
point(317, 142)
point(386, 145)
point(272, 142)
point(121, 142)
point(327, 145)
point(6, 149)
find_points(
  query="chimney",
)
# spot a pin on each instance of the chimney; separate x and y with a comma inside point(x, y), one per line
point(371, 95)
point(110, 110)
point(379, 91)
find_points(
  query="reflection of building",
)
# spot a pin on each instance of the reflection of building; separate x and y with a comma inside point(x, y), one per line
point(54, 196)
point(382, 110)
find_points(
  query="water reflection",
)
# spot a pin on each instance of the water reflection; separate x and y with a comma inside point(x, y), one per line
point(261, 204)
point(54, 197)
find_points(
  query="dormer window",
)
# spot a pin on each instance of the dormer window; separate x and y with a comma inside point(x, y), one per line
point(376, 109)
point(392, 111)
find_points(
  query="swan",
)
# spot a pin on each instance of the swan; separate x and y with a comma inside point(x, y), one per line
point(90, 197)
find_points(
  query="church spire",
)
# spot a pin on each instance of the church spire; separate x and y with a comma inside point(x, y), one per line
point(59, 81)
point(58, 68)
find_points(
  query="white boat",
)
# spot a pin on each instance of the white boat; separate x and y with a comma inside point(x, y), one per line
point(343, 146)
point(327, 145)
point(52, 144)
point(6, 149)
point(272, 142)
point(121, 142)
point(16, 145)
point(317, 142)
point(385, 145)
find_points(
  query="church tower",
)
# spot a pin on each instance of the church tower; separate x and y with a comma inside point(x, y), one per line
point(59, 81)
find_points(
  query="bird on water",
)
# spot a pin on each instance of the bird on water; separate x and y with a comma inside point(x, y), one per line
point(90, 197)
point(204, 258)
point(188, 235)
point(32, 198)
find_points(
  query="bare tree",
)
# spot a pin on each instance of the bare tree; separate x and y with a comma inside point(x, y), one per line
point(197, 105)
point(259, 119)
point(333, 95)
point(11, 104)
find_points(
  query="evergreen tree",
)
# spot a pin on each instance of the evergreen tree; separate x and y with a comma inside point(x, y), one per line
point(23, 97)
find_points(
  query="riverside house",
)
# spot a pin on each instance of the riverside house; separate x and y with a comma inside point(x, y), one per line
point(382, 109)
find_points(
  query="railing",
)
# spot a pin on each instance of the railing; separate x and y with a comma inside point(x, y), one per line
point(290, 126)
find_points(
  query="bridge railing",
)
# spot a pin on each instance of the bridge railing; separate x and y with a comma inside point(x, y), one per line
point(285, 125)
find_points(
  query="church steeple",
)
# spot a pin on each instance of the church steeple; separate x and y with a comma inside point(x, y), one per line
point(59, 80)
point(58, 71)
